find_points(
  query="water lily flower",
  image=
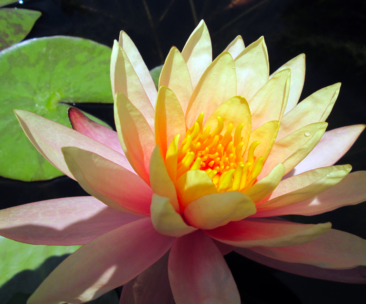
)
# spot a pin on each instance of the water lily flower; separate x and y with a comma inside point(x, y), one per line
point(202, 167)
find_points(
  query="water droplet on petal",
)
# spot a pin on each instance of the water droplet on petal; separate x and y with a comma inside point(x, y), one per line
point(213, 73)
point(233, 67)
point(307, 134)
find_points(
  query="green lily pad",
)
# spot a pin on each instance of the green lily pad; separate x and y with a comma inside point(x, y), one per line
point(23, 267)
point(39, 76)
point(6, 2)
point(15, 24)
point(155, 74)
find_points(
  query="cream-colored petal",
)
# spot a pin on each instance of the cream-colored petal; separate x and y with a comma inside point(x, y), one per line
point(292, 149)
point(334, 144)
point(218, 209)
point(135, 135)
point(125, 80)
point(266, 134)
point(193, 185)
point(252, 69)
point(314, 108)
point(160, 181)
point(267, 233)
point(166, 220)
point(270, 101)
point(139, 66)
point(266, 185)
point(110, 183)
point(169, 119)
point(217, 84)
point(301, 187)
point(236, 46)
point(236, 111)
point(197, 52)
point(297, 67)
point(175, 76)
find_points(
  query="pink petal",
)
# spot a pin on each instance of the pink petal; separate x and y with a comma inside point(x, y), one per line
point(110, 183)
point(150, 287)
point(62, 222)
point(42, 133)
point(198, 272)
point(350, 191)
point(105, 263)
point(81, 123)
point(269, 233)
point(334, 144)
point(355, 275)
point(335, 249)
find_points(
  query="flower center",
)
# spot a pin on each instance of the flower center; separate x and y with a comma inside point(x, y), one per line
point(220, 155)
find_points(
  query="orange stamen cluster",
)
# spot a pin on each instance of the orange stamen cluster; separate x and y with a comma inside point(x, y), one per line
point(220, 155)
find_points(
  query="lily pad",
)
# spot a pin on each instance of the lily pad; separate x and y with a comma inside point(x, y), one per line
point(6, 2)
point(155, 74)
point(15, 24)
point(40, 76)
point(23, 267)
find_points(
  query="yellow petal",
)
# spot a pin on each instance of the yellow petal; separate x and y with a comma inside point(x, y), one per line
point(234, 110)
point(139, 66)
point(137, 139)
point(169, 119)
point(252, 69)
point(266, 185)
point(193, 185)
point(125, 80)
point(166, 220)
point(270, 101)
point(292, 149)
point(175, 76)
point(215, 210)
point(218, 84)
point(171, 159)
point(160, 181)
point(314, 108)
point(266, 134)
point(297, 67)
point(197, 52)
point(236, 46)
point(301, 187)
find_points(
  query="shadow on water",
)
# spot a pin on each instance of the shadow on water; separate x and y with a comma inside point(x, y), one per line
point(20, 287)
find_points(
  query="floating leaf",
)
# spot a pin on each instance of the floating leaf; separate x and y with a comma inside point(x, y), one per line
point(6, 2)
point(23, 267)
point(155, 74)
point(39, 75)
point(15, 24)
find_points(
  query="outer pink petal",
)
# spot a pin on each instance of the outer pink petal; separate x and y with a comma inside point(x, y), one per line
point(109, 182)
point(354, 275)
point(107, 262)
point(62, 222)
point(268, 233)
point(198, 272)
point(350, 191)
point(334, 144)
point(150, 287)
point(49, 137)
point(335, 249)
point(81, 123)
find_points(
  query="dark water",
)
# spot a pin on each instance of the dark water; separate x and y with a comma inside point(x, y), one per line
point(330, 32)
